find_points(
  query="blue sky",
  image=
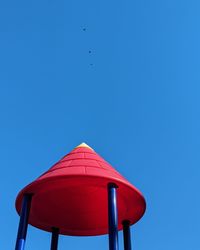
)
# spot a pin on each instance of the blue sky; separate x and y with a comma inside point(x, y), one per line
point(134, 99)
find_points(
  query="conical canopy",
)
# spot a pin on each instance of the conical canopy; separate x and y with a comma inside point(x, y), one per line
point(72, 195)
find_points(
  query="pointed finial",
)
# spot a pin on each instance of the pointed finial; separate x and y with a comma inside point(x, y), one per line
point(83, 145)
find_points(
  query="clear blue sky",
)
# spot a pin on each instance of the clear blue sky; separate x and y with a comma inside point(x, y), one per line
point(135, 99)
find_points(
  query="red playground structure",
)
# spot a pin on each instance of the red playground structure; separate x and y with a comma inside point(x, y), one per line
point(81, 195)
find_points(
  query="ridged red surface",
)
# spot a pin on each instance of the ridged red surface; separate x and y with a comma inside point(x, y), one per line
point(72, 196)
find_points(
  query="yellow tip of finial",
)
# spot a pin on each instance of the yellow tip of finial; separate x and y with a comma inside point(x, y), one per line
point(83, 145)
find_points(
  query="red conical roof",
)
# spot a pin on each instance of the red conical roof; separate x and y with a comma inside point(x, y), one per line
point(72, 195)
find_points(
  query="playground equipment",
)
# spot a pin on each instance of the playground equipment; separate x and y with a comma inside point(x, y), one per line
point(81, 195)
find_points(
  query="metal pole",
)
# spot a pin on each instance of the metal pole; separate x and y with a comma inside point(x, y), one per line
point(112, 216)
point(23, 224)
point(54, 238)
point(127, 235)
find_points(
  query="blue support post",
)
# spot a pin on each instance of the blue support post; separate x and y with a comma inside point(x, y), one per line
point(112, 216)
point(23, 224)
point(127, 235)
point(54, 238)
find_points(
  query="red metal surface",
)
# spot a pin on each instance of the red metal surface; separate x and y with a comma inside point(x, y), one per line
point(72, 196)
